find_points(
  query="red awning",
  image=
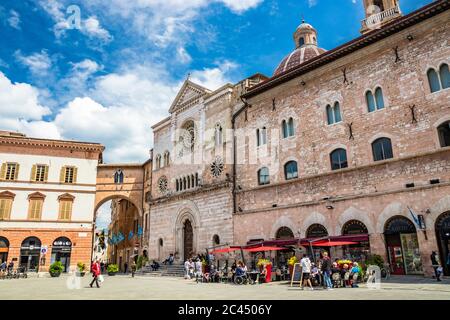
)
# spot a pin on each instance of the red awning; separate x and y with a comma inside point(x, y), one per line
point(263, 248)
point(224, 250)
point(327, 243)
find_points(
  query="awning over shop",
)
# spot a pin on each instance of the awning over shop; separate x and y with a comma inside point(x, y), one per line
point(264, 248)
point(357, 238)
point(225, 250)
point(332, 243)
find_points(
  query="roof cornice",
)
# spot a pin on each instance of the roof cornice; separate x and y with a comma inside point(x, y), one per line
point(56, 144)
point(365, 40)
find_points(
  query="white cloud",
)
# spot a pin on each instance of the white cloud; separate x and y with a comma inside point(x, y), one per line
point(312, 3)
point(183, 55)
point(14, 19)
point(241, 5)
point(91, 27)
point(38, 62)
point(214, 78)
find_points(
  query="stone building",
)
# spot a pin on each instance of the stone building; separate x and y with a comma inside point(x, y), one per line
point(191, 200)
point(353, 143)
point(47, 197)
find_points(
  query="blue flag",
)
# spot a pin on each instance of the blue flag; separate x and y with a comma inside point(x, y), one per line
point(120, 236)
point(140, 231)
point(130, 235)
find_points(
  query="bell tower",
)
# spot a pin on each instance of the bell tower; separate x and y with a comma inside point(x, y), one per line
point(305, 35)
point(378, 13)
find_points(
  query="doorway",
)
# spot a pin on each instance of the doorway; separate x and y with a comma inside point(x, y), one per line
point(30, 251)
point(443, 239)
point(188, 238)
point(61, 251)
point(4, 249)
point(402, 246)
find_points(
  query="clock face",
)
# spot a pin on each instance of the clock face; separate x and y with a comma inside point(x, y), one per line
point(163, 184)
point(217, 167)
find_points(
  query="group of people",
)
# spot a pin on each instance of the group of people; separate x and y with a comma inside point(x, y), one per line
point(438, 269)
point(6, 268)
point(328, 274)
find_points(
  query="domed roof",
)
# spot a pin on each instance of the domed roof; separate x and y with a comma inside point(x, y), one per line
point(305, 25)
point(297, 57)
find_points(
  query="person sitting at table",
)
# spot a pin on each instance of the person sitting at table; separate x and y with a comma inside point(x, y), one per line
point(315, 274)
point(354, 273)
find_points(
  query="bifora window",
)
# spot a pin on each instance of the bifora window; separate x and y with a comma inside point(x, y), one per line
point(287, 128)
point(334, 113)
point(382, 149)
point(444, 134)
point(439, 80)
point(290, 170)
point(263, 176)
point(338, 159)
point(375, 101)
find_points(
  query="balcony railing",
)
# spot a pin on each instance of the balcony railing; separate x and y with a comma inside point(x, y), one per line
point(375, 20)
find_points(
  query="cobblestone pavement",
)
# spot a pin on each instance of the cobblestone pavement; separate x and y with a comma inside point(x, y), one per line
point(125, 287)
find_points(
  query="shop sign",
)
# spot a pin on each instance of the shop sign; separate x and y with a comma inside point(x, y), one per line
point(62, 243)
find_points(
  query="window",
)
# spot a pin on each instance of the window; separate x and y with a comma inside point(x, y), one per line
point(334, 113)
point(338, 159)
point(439, 81)
point(118, 177)
point(382, 149)
point(65, 206)
point(39, 173)
point(263, 176)
point(288, 128)
point(290, 170)
point(444, 134)
point(9, 171)
point(68, 175)
point(375, 102)
point(36, 202)
point(218, 135)
point(6, 201)
point(158, 161)
point(261, 136)
point(301, 41)
point(166, 158)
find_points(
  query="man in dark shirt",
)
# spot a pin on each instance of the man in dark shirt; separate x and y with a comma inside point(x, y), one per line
point(326, 270)
point(435, 264)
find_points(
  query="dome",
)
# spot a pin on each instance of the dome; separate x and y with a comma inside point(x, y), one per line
point(297, 57)
point(305, 40)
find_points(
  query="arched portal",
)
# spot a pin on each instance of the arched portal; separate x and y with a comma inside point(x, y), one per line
point(402, 246)
point(4, 249)
point(283, 233)
point(359, 251)
point(443, 238)
point(188, 239)
point(30, 251)
point(61, 251)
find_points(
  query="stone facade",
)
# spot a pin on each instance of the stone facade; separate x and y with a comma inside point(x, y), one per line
point(369, 191)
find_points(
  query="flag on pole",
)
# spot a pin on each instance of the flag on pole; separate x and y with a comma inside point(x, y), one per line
point(140, 231)
point(130, 235)
point(415, 218)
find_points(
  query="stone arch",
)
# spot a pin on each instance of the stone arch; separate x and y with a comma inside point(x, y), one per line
point(100, 202)
point(283, 221)
point(313, 218)
point(391, 210)
point(188, 210)
point(353, 213)
point(441, 206)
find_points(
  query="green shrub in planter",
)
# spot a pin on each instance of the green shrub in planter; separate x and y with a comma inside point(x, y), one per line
point(141, 261)
point(81, 269)
point(112, 269)
point(56, 268)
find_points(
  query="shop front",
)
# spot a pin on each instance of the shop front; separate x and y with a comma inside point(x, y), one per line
point(4, 249)
point(402, 246)
point(61, 251)
point(443, 239)
point(316, 231)
point(359, 251)
point(282, 256)
point(30, 251)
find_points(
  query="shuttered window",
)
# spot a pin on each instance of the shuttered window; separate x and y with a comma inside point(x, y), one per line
point(65, 209)
point(68, 175)
point(35, 209)
point(5, 208)
point(10, 171)
point(39, 173)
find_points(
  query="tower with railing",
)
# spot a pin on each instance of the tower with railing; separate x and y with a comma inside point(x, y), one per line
point(378, 13)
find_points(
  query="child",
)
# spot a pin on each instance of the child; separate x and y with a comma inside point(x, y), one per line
point(439, 273)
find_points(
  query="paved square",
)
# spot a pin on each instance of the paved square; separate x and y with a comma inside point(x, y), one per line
point(123, 287)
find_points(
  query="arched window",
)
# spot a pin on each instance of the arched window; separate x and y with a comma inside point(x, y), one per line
point(158, 161)
point(264, 135)
point(382, 149)
point(263, 176)
point(218, 135)
point(379, 98)
point(288, 128)
point(379, 4)
point(433, 80)
point(177, 186)
point(338, 159)
point(316, 231)
point(445, 76)
point(166, 158)
point(216, 240)
point(290, 170)
point(184, 183)
point(370, 101)
point(334, 113)
point(258, 138)
point(284, 233)
point(301, 41)
point(354, 227)
point(118, 177)
point(444, 134)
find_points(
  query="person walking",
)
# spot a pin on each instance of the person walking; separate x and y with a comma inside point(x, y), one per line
point(126, 267)
point(133, 268)
point(306, 271)
point(198, 270)
point(435, 264)
point(326, 270)
point(95, 269)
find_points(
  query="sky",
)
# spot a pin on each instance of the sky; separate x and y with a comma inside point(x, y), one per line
point(106, 70)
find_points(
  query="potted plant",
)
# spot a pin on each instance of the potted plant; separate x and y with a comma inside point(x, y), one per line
point(81, 269)
point(292, 260)
point(112, 269)
point(265, 262)
point(55, 269)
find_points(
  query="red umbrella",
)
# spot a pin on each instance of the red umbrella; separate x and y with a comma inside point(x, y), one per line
point(263, 248)
point(224, 250)
point(332, 243)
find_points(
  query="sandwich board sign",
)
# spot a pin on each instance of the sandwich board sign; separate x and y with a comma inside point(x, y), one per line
point(297, 274)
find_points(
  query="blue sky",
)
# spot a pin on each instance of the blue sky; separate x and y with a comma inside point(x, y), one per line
point(115, 75)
